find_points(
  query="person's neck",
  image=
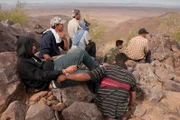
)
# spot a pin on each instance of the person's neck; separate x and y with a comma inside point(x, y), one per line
point(121, 64)
point(56, 30)
point(141, 36)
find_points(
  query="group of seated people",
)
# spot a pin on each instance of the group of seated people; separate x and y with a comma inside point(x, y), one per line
point(114, 85)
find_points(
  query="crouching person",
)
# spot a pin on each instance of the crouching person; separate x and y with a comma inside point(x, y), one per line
point(117, 88)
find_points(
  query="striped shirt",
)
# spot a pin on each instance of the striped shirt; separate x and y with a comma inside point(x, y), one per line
point(113, 102)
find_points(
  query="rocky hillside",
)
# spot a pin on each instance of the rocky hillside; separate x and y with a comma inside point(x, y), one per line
point(158, 91)
point(167, 23)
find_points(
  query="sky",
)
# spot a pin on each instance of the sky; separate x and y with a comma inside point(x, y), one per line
point(147, 2)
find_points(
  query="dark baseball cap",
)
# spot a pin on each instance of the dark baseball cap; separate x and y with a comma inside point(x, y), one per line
point(143, 31)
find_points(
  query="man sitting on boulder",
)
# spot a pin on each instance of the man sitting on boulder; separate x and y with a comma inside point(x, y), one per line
point(52, 39)
point(117, 84)
point(111, 55)
point(137, 48)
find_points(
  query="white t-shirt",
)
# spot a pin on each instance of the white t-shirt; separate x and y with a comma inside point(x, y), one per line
point(84, 40)
point(73, 26)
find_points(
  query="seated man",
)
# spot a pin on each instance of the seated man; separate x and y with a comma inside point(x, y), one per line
point(137, 48)
point(111, 55)
point(117, 84)
point(42, 75)
point(52, 39)
point(82, 39)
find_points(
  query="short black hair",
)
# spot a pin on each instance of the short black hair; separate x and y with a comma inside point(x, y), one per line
point(24, 47)
point(121, 57)
point(119, 42)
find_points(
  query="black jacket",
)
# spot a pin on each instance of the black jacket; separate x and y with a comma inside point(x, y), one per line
point(36, 74)
point(48, 45)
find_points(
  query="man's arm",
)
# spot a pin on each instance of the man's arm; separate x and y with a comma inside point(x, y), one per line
point(132, 98)
point(65, 40)
point(76, 77)
point(47, 57)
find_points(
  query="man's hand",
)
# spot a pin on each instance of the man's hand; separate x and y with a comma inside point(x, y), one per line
point(63, 35)
point(71, 69)
point(47, 57)
point(61, 78)
point(65, 39)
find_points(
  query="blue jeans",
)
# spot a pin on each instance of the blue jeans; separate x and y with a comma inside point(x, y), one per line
point(76, 58)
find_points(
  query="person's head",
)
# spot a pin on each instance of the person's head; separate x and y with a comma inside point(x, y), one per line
point(76, 14)
point(57, 23)
point(143, 32)
point(84, 24)
point(119, 44)
point(25, 47)
point(121, 57)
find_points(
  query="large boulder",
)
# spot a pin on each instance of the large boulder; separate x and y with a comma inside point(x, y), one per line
point(144, 74)
point(11, 88)
point(74, 93)
point(172, 86)
point(82, 111)
point(9, 34)
point(163, 71)
point(40, 111)
point(15, 111)
point(152, 93)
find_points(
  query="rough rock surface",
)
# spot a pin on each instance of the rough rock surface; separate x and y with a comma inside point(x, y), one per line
point(9, 32)
point(15, 111)
point(82, 111)
point(40, 111)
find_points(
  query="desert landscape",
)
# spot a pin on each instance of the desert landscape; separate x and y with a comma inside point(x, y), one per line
point(158, 83)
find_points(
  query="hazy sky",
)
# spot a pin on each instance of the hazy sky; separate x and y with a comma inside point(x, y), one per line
point(161, 2)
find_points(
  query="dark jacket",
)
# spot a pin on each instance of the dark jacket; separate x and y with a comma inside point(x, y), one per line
point(48, 45)
point(36, 74)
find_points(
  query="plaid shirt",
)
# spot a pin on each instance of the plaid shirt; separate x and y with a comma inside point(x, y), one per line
point(137, 48)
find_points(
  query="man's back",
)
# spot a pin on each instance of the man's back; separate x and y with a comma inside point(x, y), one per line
point(73, 26)
point(137, 48)
point(108, 97)
point(111, 55)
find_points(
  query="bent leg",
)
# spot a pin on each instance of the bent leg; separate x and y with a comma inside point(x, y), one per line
point(75, 58)
point(148, 57)
point(91, 49)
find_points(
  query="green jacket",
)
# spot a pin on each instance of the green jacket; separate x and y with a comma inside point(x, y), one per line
point(111, 55)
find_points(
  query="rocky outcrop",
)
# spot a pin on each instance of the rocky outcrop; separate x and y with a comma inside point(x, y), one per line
point(10, 87)
point(15, 111)
point(9, 32)
point(40, 111)
point(82, 111)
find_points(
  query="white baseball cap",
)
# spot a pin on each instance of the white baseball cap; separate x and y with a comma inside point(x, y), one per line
point(57, 20)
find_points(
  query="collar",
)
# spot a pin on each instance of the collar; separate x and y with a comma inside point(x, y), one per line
point(122, 65)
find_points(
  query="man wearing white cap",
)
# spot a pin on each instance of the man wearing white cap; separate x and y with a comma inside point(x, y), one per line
point(73, 24)
point(52, 39)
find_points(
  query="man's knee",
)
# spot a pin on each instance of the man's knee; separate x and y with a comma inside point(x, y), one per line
point(80, 51)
